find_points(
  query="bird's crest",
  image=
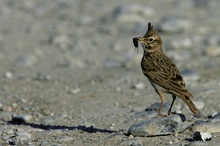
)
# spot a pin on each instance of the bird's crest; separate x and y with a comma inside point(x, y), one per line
point(150, 31)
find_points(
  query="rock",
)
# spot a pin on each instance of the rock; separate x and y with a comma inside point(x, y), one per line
point(42, 77)
point(174, 24)
point(21, 136)
point(200, 143)
point(159, 126)
point(201, 3)
point(213, 51)
point(5, 116)
point(53, 119)
point(206, 126)
point(26, 60)
point(21, 118)
point(139, 85)
point(165, 107)
point(204, 136)
point(145, 115)
point(63, 42)
point(88, 125)
point(8, 75)
point(131, 142)
point(65, 138)
point(215, 117)
point(74, 91)
point(132, 12)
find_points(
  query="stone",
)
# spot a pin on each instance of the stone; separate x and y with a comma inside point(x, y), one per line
point(21, 136)
point(174, 24)
point(165, 107)
point(206, 126)
point(215, 117)
point(63, 42)
point(8, 75)
point(131, 142)
point(132, 12)
point(21, 118)
point(145, 115)
point(26, 60)
point(159, 126)
point(204, 136)
point(139, 85)
point(5, 116)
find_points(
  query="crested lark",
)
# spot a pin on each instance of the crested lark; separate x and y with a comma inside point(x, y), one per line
point(162, 73)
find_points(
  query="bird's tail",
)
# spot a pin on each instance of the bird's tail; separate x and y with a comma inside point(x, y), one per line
point(190, 104)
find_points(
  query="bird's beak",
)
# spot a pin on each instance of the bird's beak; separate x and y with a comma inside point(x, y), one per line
point(136, 40)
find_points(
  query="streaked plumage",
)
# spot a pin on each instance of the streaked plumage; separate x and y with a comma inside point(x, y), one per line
point(161, 71)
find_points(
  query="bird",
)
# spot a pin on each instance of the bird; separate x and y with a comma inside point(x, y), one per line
point(161, 72)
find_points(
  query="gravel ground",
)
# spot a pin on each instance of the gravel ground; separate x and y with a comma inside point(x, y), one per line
point(70, 75)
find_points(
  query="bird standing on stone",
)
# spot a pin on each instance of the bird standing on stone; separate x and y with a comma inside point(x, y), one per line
point(162, 73)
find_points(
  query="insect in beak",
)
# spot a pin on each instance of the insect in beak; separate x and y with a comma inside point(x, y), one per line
point(135, 42)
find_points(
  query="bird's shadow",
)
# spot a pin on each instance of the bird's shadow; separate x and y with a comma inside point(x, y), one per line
point(91, 129)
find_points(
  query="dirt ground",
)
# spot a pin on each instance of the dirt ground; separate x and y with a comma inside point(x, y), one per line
point(70, 65)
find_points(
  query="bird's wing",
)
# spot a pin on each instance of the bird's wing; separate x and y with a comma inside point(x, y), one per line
point(166, 74)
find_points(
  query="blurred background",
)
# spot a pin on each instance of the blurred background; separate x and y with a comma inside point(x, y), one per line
point(70, 39)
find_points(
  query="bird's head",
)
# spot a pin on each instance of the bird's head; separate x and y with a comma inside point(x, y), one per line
point(151, 41)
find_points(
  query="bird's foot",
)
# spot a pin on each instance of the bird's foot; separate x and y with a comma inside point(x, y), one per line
point(161, 115)
point(169, 112)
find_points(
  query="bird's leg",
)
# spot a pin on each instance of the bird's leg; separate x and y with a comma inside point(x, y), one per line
point(161, 102)
point(169, 111)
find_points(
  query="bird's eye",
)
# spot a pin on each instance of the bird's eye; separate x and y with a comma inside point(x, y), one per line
point(151, 39)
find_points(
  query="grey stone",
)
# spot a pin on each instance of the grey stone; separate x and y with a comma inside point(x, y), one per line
point(165, 107)
point(215, 117)
point(159, 126)
point(21, 118)
point(63, 42)
point(206, 126)
point(132, 12)
point(200, 143)
point(8, 75)
point(52, 119)
point(21, 136)
point(145, 115)
point(204, 136)
point(139, 85)
point(213, 51)
point(5, 116)
point(174, 24)
point(88, 125)
point(26, 60)
point(131, 142)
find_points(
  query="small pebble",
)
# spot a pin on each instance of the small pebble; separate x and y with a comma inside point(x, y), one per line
point(8, 75)
point(210, 127)
point(204, 136)
point(21, 118)
point(88, 125)
point(75, 91)
point(62, 42)
point(139, 85)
